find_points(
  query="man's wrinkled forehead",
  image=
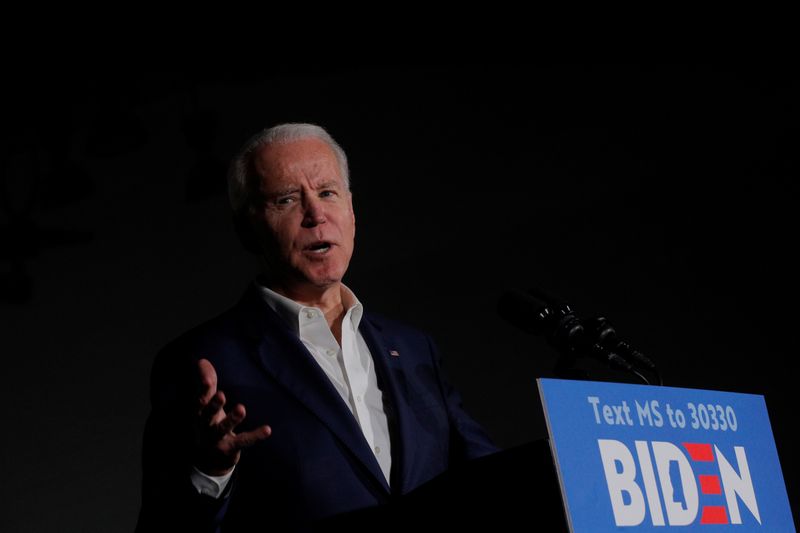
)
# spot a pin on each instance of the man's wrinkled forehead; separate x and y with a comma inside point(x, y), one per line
point(309, 155)
point(281, 167)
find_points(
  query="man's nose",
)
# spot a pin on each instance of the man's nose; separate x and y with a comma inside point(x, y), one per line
point(314, 213)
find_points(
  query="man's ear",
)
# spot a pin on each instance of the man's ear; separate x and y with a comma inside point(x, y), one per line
point(246, 233)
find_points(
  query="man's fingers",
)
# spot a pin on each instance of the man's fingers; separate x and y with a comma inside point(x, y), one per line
point(248, 438)
point(212, 413)
point(233, 419)
point(216, 437)
point(208, 380)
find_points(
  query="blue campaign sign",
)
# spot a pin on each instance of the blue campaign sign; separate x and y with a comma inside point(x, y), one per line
point(644, 458)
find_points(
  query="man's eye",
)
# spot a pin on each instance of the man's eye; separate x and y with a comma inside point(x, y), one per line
point(327, 194)
point(284, 200)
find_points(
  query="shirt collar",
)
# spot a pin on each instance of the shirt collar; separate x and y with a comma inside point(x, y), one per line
point(290, 310)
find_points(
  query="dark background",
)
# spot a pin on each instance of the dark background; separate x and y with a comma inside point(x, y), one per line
point(661, 196)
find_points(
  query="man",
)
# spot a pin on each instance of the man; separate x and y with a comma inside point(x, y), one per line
point(296, 404)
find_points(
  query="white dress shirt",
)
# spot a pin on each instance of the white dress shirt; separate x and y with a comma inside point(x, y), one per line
point(349, 366)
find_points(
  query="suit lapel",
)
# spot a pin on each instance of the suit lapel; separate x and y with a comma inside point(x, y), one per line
point(284, 357)
point(388, 365)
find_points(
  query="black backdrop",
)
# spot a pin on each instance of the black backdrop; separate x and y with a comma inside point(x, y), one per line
point(661, 196)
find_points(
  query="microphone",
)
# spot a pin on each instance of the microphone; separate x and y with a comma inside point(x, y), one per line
point(606, 335)
point(534, 315)
point(540, 313)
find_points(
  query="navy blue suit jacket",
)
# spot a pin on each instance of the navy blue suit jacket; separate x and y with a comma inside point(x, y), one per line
point(317, 462)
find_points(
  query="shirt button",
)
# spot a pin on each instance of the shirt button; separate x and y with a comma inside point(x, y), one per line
point(331, 352)
point(378, 450)
point(310, 314)
point(358, 398)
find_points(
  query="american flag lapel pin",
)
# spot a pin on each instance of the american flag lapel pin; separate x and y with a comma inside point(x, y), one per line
point(394, 353)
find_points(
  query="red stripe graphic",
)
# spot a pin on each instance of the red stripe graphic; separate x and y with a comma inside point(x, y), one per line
point(699, 452)
point(709, 484)
point(714, 514)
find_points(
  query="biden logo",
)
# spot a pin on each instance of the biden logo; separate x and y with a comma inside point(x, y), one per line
point(695, 482)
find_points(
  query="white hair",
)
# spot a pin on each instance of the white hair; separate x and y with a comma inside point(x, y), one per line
point(240, 172)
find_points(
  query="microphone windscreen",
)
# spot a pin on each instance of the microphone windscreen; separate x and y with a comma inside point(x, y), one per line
point(525, 311)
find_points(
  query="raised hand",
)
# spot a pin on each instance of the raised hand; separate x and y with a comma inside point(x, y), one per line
point(217, 446)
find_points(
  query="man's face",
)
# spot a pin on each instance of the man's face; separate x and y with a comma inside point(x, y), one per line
point(304, 218)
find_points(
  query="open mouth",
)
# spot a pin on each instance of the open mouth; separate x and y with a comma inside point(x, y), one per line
point(319, 247)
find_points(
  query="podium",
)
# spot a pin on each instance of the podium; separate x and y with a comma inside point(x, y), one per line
point(644, 458)
point(516, 488)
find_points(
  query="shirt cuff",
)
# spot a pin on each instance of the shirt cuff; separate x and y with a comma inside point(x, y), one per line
point(212, 486)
